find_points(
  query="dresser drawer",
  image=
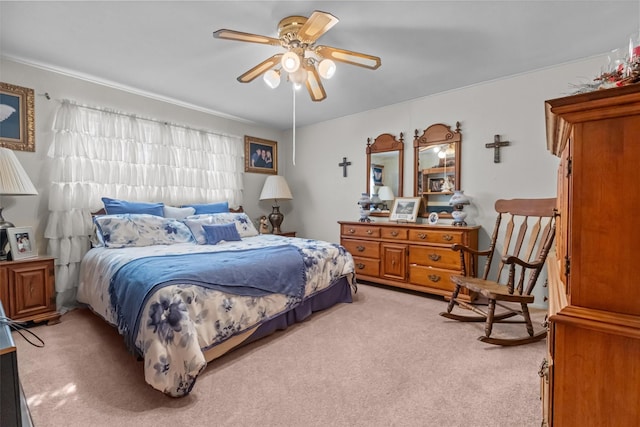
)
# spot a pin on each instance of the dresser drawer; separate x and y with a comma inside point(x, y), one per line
point(436, 236)
point(362, 248)
point(360, 230)
point(432, 277)
point(434, 256)
point(394, 233)
point(367, 266)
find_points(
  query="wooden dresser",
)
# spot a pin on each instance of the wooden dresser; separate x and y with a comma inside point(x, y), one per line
point(410, 256)
point(592, 372)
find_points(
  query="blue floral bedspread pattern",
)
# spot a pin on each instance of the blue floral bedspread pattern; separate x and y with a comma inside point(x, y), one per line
point(250, 272)
point(180, 321)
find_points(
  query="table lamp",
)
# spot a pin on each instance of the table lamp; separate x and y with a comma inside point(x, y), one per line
point(14, 181)
point(275, 187)
point(385, 193)
point(458, 200)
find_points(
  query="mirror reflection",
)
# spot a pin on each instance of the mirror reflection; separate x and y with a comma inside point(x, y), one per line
point(437, 167)
point(385, 170)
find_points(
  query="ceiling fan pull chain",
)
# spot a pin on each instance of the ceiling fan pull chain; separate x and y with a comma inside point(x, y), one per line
point(294, 123)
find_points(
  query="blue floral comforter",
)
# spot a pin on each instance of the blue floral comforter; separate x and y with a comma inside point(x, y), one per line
point(180, 321)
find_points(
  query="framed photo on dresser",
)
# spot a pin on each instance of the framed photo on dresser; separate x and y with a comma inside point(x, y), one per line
point(405, 209)
point(22, 242)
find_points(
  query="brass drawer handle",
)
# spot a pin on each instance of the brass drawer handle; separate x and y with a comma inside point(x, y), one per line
point(351, 230)
point(422, 236)
point(447, 237)
point(394, 233)
point(360, 265)
point(369, 232)
point(434, 257)
point(360, 248)
point(434, 278)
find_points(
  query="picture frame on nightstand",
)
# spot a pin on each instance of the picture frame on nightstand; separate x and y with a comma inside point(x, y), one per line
point(22, 243)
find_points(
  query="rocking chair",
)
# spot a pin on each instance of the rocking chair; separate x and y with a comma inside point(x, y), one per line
point(532, 220)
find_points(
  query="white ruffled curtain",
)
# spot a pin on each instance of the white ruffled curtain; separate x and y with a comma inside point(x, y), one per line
point(98, 152)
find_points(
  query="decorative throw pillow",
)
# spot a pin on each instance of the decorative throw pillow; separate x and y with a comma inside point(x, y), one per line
point(217, 233)
point(178, 213)
point(115, 206)
point(243, 223)
point(134, 230)
point(209, 208)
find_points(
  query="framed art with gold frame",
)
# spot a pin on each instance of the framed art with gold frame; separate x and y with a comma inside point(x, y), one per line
point(17, 121)
point(260, 155)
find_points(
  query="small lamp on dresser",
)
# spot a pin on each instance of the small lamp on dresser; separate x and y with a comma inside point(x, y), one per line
point(385, 193)
point(276, 187)
point(14, 181)
point(458, 200)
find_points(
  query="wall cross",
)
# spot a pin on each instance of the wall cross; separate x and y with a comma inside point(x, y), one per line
point(344, 165)
point(496, 147)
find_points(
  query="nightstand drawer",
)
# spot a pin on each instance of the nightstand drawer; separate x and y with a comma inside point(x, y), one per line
point(362, 248)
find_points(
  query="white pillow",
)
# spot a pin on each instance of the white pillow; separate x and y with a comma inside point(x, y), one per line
point(178, 213)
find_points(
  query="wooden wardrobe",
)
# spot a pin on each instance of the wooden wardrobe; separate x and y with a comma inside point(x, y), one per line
point(592, 373)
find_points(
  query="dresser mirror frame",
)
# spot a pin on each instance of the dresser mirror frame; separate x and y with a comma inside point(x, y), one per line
point(434, 178)
point(386, 152)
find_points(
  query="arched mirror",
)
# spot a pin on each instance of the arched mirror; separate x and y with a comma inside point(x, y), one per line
point(436, 176)
point(385, 171)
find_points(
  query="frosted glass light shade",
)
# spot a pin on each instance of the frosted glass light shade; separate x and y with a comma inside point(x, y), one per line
point(275, 187)
point(272, 78)
point(326, 68)
point(385, 193)
point(14, 181)
point(290, 62)
point(299, 77)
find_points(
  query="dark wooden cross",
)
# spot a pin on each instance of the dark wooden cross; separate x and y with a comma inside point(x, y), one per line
point(344, 165)
point(496, 147)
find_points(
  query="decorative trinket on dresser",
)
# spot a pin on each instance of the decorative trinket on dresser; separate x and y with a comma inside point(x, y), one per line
point(264, 228)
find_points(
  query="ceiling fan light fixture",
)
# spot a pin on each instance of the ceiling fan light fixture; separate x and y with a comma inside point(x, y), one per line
point(299, 76)
point(272, 78)
point(326, 68)
point(290, 62)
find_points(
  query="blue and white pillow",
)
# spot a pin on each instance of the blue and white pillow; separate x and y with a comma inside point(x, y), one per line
point(134, 230)
point(243, 223)
point(216, 233)
point(178, 213)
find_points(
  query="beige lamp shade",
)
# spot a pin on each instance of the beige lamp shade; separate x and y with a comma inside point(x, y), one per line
point(275, 187)
point(385, 193)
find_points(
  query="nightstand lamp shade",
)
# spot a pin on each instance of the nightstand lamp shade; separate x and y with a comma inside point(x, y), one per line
point(275, 187)
point(14, 181)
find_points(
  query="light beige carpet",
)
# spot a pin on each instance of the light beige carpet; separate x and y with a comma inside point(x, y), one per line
point(387, 359)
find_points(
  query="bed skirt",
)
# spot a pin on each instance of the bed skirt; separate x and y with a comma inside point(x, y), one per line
point(338, 292)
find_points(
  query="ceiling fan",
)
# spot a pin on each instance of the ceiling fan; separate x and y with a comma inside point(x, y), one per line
point(304, 62)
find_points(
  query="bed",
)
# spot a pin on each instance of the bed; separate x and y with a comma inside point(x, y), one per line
point(182, 295)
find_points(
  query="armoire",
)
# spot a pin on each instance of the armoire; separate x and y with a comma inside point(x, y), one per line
point(591, 376)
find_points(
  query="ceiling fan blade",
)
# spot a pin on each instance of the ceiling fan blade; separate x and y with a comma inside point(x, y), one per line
point(260, 69)
point(349, 57)
point(317, 24)
point(245, 37)
point(314, 85)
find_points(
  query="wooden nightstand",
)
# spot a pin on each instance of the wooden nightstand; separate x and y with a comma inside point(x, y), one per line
point(27, 290)
point(287, 233)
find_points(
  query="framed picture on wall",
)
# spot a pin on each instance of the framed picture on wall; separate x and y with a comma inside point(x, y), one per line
point(260, 155)
point(22, 242)
point(405, 209)
point(17, 122)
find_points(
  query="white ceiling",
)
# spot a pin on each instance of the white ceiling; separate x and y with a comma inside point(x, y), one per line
point(166, 48)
